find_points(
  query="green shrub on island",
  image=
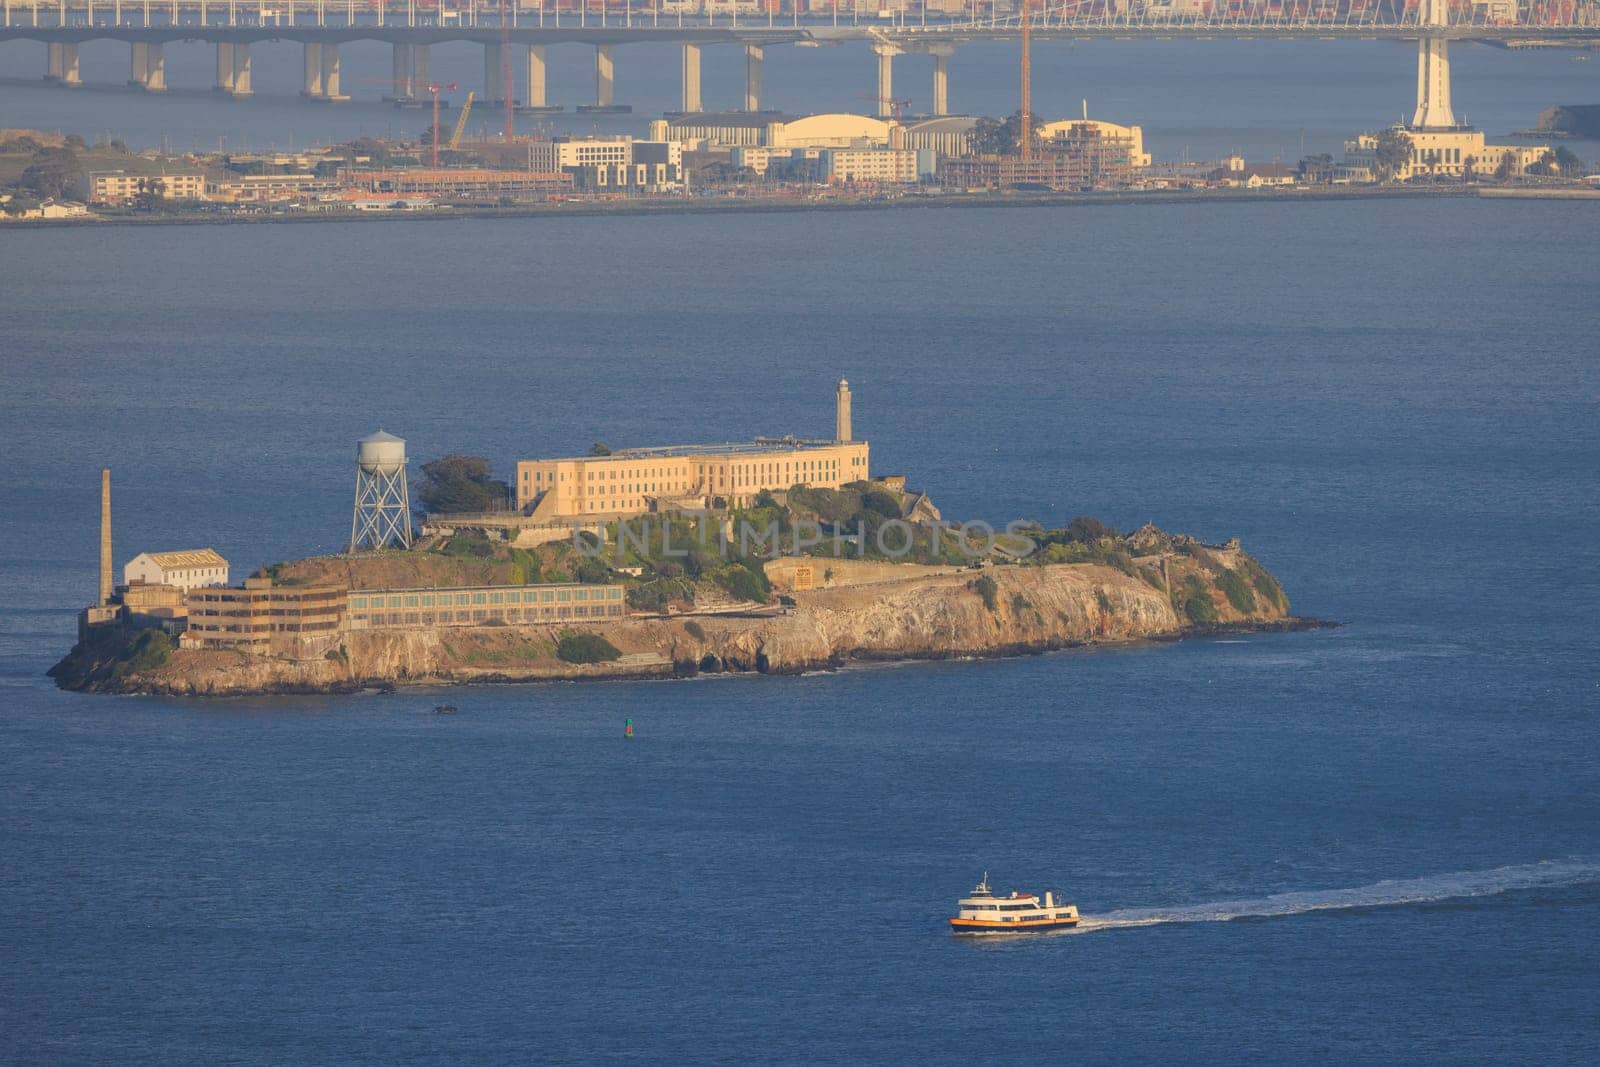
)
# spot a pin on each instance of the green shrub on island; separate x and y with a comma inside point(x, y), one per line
point(460, 484)
point(1237, 589)
point(582, 647)
point(1197, 602)
point(694, 630)
point(986, 588)
point(744, 580)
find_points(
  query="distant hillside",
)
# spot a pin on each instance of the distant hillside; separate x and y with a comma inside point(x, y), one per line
point(1578, 120)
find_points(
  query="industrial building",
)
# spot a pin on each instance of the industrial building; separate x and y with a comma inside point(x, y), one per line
point(466, 184)
point(190, 569)
point(679, 477)
point(1075, 133)
point(300, 621)
point(496, 605)
point(704, 130)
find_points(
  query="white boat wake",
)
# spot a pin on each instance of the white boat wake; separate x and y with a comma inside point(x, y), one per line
point(1437, 887)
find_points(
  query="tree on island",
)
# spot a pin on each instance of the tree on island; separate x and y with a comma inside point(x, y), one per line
point(1317, 168)
point(1568, 163)
point(996, 137)
point(53, 172)
point(151, 196)
point(457, 483)
point(1391, 152)
point(1507, 167)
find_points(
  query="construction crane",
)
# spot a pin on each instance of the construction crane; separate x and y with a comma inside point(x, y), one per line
point(1025, 131)
point(434, 88)
point(897, 106)
point(461, 122)
point(505, 71)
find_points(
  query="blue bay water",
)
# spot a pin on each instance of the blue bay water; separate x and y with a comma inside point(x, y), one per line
point(1369, 844)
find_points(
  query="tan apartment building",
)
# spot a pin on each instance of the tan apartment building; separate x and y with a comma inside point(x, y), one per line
point(294, 620)
point(677, 477)
point(118, 187)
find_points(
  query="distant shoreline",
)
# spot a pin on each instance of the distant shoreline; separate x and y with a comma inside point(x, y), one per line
point(666, 207)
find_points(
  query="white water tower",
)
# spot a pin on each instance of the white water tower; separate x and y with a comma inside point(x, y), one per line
point(382, 514)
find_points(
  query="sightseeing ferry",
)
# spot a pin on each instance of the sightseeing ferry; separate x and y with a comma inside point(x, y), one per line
point(985, 913)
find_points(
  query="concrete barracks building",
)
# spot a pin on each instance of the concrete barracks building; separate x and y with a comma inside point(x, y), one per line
point(636, 481)
point(191, 569)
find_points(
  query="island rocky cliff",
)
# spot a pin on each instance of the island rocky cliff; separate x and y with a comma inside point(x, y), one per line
point(868, 611)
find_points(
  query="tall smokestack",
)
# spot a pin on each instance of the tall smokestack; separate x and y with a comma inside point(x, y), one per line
point(105, 537)
point(841, 412)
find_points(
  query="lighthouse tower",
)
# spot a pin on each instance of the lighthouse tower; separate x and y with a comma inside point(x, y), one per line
point(841, 412)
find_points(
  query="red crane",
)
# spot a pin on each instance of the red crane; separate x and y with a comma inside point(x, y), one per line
point(897, 106)
point(505, 74)
point(434, 88)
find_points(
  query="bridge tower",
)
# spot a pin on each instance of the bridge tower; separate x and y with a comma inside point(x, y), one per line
point(382, 515)
point(1433, 71)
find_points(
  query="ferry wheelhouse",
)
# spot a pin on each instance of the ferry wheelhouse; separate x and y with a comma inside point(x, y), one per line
point(984, 913)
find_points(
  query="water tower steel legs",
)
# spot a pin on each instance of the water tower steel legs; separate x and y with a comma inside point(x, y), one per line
point(604, 75)
point(691, 78)
point(382, 513)
point(753, 55)
point(533, 94)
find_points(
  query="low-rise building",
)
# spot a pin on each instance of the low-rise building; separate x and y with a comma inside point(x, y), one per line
point(1069, 134)
point(268, 188)
point(679, 477)
point(191, 568)
point(1450, 152)
point(1236, 173)
point(443, 182)
point(300, 621)
point(494, 605)
point(896, 165)
point(119, 187)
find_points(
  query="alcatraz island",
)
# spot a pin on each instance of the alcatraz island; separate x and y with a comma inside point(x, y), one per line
point(779, 555)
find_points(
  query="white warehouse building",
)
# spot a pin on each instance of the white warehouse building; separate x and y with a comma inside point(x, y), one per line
point(192, 568)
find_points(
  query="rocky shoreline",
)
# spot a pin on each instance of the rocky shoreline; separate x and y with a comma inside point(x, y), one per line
point(998, 612)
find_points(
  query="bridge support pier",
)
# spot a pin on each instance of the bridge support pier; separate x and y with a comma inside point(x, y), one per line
point(52, 70)
point(404, 83)
point(421, 69)
point(493, 84)
point(886, 53)
point(224, 68)
point(533, 92)
point(330, 73)
point(753, 57)
point(605, 69)
point(241, 70)
point(941, 77)
point(69, 65)
point(313, 70)
point(691, 78)
point(147, 67)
